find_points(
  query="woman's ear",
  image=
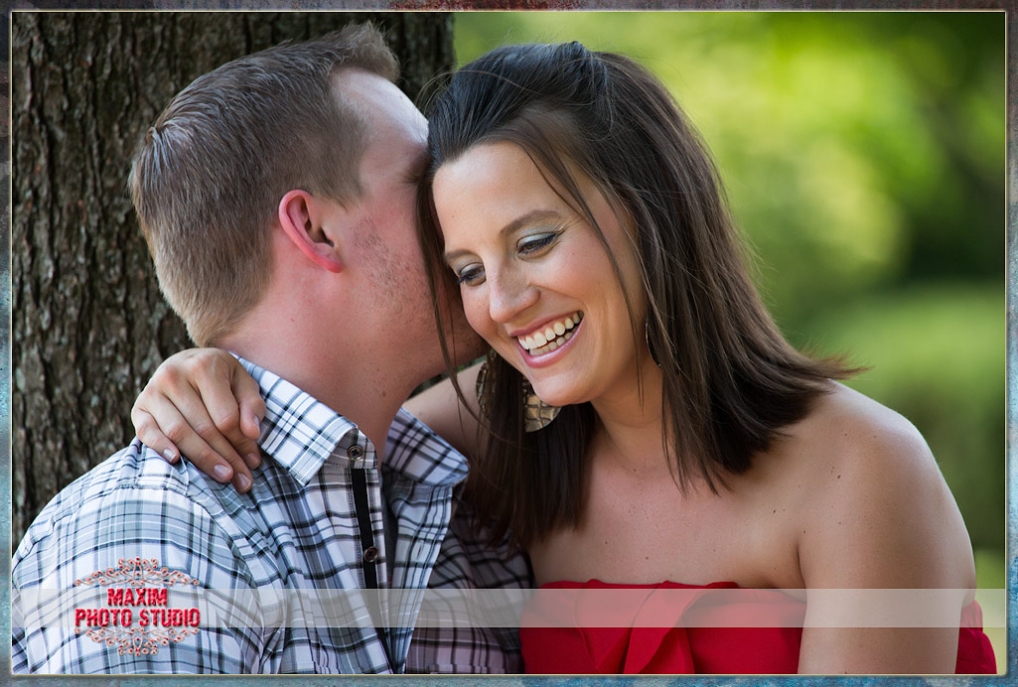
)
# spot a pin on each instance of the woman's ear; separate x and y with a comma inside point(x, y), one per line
point(301, 217)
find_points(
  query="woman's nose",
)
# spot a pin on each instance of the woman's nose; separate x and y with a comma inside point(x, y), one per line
point(509, 294)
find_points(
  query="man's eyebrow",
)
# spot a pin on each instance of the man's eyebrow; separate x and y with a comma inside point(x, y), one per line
point(531, 217)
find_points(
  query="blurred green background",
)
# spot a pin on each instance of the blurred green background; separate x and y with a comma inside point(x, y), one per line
point(864, 158)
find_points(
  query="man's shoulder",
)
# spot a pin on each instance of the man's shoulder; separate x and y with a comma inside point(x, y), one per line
point(133, 495)
point(413, 449)
point(132, 517)
point(134, 467)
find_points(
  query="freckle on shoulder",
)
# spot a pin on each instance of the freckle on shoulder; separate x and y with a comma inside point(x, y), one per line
point(852, 432)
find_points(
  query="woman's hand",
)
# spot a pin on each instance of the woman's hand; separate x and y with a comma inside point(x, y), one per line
point(202, 403)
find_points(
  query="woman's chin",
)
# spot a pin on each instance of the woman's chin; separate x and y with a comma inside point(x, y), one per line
point(557, 398)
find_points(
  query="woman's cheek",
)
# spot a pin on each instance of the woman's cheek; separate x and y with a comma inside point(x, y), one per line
point(476, 312)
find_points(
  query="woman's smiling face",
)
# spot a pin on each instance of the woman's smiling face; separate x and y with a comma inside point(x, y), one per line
point(535, 279)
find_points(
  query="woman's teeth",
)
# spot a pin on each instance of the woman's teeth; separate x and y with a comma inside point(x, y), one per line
point(552, 336)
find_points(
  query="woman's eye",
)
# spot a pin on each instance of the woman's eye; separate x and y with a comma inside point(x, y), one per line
point(536, 243)
point(471, 275)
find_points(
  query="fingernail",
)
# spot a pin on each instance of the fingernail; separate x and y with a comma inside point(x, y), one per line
point(243, 482)
point(169, 455)
point(253, 460)
point(255, 420)
point(221, 472)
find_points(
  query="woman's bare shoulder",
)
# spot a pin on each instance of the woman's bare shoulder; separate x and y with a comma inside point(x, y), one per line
point(873, 504)
point(869, 441)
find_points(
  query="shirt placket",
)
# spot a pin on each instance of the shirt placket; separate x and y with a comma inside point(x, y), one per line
point(422, 519)
point(347, 481)
point(365, 482)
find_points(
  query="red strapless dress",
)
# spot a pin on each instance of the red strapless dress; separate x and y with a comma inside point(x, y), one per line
point(690, 649)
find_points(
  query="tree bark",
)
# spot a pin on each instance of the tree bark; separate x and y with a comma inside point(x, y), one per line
point(89, 325)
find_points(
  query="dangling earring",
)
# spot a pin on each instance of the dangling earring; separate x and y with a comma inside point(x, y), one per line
point(485, 385)
point(536, 413)
point(646, 336)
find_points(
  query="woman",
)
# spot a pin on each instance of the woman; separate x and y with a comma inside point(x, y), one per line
point(671, 437)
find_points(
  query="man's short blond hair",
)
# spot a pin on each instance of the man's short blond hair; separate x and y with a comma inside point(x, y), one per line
point(208, 176)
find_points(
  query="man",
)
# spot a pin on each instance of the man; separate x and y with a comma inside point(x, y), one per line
point(277, 195)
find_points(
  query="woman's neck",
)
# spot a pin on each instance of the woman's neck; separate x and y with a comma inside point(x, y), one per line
point(630, 424)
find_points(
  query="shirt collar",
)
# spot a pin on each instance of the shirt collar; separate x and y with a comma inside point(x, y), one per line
point(301, 433)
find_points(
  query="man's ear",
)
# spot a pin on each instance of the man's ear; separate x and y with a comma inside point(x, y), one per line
point(301, 216)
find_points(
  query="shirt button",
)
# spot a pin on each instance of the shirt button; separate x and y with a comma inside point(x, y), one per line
point(355, 452)
point(370, 554)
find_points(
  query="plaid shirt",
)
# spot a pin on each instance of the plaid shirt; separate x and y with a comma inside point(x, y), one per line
point(323, 514)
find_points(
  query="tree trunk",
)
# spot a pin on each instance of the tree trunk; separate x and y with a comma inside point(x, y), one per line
point(89, 325)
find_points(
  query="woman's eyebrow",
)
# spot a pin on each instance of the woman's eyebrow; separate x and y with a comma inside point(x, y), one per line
point(531, 217)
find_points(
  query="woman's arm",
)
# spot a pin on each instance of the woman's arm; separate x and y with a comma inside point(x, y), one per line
point(202, 403)
point(880, 517)
point(439, 407)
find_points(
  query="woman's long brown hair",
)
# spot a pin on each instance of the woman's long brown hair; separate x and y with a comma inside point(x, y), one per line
point(731, 381)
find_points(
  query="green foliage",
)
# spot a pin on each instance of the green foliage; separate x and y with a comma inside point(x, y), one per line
point(864, 158)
